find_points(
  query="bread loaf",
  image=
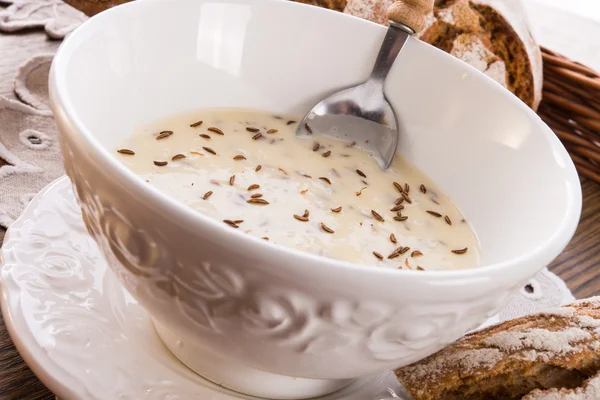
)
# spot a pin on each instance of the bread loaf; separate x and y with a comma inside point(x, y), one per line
point(490, 35)
point(553, 351)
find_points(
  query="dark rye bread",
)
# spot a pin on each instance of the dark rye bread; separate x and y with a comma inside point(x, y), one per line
point(553, 351)
point(491, 35)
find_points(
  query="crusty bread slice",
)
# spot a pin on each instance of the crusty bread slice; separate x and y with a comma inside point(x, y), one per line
point(558, 348)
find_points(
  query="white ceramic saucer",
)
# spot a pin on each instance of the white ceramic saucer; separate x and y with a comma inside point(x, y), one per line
point(82, 334)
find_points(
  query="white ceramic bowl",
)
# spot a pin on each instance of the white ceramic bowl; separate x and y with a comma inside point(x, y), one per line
point(249, 314)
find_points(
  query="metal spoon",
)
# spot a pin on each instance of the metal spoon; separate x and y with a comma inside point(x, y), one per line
point(362, 113)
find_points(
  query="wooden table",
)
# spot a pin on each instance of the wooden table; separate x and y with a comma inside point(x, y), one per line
point(578, 265)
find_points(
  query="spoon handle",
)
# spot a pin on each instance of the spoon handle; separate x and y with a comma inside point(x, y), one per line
point(406, 18)
point(395, 38)
point(411, 13)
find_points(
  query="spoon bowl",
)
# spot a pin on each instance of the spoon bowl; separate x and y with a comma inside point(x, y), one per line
point(361, 116)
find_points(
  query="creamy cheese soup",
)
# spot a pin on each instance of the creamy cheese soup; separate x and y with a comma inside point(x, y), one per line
point(323, 196)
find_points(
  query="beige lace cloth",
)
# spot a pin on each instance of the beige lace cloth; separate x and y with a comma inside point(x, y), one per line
point(57, 18)
point(28, 134)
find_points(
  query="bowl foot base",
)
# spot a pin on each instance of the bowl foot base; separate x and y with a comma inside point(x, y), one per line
point(244, 379)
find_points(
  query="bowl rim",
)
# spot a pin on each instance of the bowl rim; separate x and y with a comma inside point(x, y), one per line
point(546, 252)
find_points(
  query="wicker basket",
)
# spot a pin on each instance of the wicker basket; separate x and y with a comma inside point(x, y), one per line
point(571, 107)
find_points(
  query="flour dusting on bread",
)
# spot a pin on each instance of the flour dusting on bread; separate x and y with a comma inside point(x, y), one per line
point(470, 49)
